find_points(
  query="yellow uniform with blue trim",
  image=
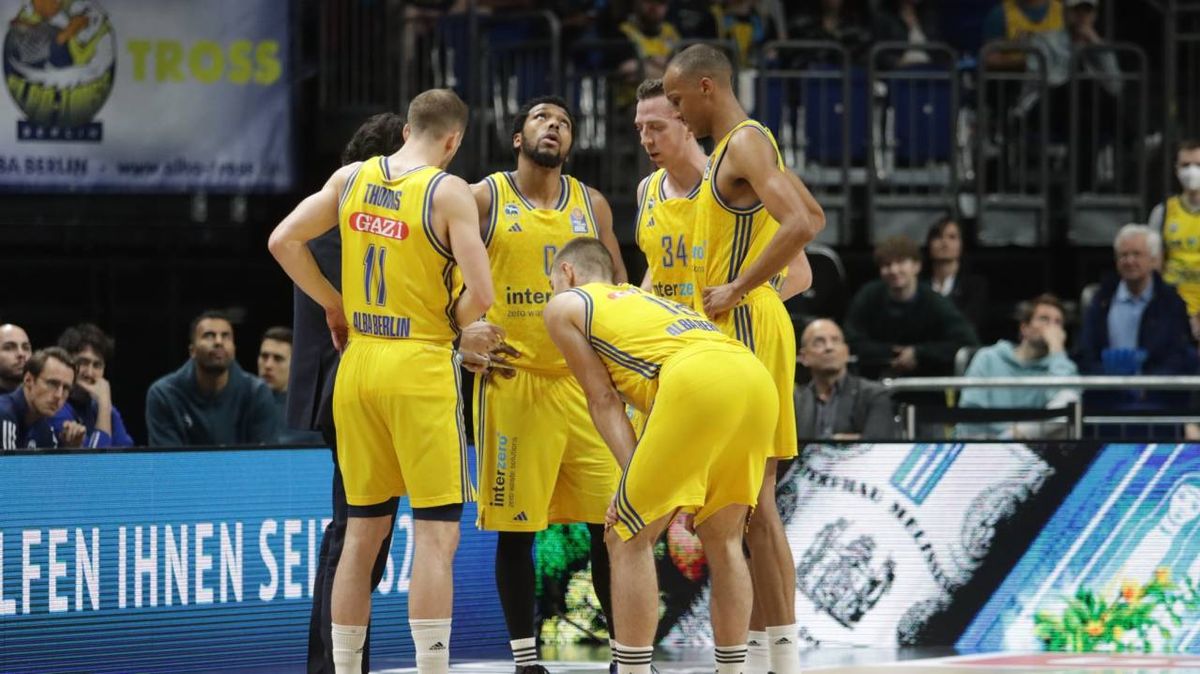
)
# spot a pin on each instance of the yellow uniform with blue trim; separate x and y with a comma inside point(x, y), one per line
point(1181, 234)
point(731, 239)
point(541, 459)
point(396, 400)
point(711, 404)
point(664, 234)
point(1017, 24)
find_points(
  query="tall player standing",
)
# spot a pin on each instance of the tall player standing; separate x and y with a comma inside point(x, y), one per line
point(752, 218)
point(405, 224)
point(541, 459)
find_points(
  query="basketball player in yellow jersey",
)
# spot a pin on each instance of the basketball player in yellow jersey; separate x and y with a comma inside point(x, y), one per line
point(540, 459)
point(405, 224)
point(712, 410)
point(752, 218)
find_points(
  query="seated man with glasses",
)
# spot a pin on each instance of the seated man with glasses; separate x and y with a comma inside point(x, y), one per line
point(26, 412)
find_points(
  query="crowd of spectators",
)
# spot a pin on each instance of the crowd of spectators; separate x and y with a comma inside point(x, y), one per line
point(58, 396)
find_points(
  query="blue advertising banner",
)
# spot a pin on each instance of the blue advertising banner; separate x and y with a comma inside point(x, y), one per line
point(194, 561)
point(174, 95)
point(1116, 568)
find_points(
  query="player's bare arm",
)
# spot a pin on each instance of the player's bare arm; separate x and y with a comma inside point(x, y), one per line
point(455, 210)
point(564, 317)
point(800, 275)
point(751, 158)
point(604, 228)
point(314, 216)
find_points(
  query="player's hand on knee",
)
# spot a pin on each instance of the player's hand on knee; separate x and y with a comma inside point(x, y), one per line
point(610, 516)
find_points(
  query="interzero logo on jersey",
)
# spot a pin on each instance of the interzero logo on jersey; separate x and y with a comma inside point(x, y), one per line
point(59, 65)
point(500, 480)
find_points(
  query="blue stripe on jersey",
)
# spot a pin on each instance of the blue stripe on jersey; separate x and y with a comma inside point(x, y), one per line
point(742, 228)
point(587, 203)
point(717, 165)
point(383, 166)
point(464, 467)
point(625, 510)
point(637, 221)
point(451, 300)
point(587, 313)
point(643, 367)
point(346, 190)
point(495, 214)
point(427, 217)
point(564, 192)
point(744, 325)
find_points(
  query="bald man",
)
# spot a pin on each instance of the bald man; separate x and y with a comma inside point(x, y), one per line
point(15, 351)
point(752, 218)
point(836, 404)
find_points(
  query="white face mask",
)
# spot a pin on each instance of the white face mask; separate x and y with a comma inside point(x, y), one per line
point(1189, 177)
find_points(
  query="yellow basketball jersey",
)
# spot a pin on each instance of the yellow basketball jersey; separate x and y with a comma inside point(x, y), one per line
point(397, 277)
point(664, 233)
point(1017, 24)
point(522, 241)
point(1181, 233)
point(635, 332)
point(730, 239)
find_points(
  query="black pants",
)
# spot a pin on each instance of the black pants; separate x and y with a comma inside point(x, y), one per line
point(320, 640)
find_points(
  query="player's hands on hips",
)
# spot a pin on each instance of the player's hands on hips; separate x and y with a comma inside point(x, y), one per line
point(718, 300)
point(72, 434)
point(480, 337)
point(339, 330)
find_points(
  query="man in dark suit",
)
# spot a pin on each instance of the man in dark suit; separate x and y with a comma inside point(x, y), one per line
point(310, 397)
point(836, 405)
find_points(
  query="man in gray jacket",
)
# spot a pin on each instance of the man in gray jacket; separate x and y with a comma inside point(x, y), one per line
point(837, 405)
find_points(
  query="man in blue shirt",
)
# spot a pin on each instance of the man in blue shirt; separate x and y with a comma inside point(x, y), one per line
point(25, 413)
point(1137, 310)
point(210, 400)
point(90, 402)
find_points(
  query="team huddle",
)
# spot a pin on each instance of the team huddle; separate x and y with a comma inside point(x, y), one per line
point(595, 401)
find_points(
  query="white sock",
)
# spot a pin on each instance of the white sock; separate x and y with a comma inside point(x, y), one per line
point(633, 659)
point(785, 649)
point(612, 650)
point(758, 660)
point(348, 647)
point(432, 639)
point(524, 651)
point(731, 659)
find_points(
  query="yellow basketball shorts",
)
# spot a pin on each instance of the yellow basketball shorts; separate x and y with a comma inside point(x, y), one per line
point(541, 459)
point(707, 438)
point(761, 322)
point(398, 414)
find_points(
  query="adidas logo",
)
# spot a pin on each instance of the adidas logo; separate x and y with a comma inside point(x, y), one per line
point(515, 228)
point(439, 646)
point(782, 641)
point(521, 517)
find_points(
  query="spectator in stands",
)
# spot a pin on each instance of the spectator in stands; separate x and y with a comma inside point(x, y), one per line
point(90, 402)
point(14, 352)
point(741, 22)
point(1040, 353)
point(898, 325)
point(1178, 221)
point(210, 400)
point(25, 413)
point(652, 37)
point(911, 21)
point(1081, 28)
point(274, 361)
point(835, 404)
point(1037, 23)
point(694, 19)
point(831, 20)
point(274, 368)
point(948, 278)
point(1137, 323)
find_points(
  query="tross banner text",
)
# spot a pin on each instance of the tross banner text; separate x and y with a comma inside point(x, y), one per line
point(121, 95)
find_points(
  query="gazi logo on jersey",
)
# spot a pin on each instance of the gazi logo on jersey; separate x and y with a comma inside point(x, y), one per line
point(500, 480)
point(377, 224)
